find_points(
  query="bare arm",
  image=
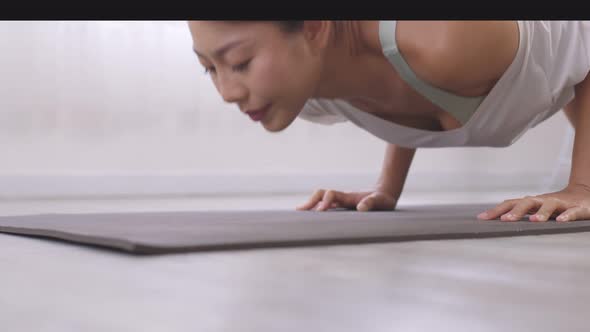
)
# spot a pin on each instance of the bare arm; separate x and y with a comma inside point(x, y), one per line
point(398, 159)
point(396, 165)
point(579, 115)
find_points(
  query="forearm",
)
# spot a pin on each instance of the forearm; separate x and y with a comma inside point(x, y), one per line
point(580, 109)
point(396, 165)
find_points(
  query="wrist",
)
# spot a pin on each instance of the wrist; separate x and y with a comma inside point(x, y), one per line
point(579, 184)
point(387, 188)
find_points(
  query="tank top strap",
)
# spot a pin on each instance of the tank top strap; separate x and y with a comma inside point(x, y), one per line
point(459, 106)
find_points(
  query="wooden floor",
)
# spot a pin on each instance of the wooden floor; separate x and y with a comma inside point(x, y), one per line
point(529, 283)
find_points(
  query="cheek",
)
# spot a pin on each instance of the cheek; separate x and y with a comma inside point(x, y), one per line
point(285, 77)
point(267, 79)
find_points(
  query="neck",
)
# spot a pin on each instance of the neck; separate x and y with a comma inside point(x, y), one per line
point(355, 67)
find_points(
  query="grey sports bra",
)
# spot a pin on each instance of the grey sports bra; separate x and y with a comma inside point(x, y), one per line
point(462, 108)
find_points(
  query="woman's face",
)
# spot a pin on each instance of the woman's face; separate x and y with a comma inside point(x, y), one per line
point(258, 66)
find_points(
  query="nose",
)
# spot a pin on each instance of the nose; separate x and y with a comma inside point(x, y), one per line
point(231, 91)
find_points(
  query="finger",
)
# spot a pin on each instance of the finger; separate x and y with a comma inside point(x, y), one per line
point(335, 205)
point(314, 199)
point(366, 204)
point(330, 196)
point(376, 201)
point(498, 210)
point(545, 211)
point(344, 199)
point(521, 208)
point(575, 213)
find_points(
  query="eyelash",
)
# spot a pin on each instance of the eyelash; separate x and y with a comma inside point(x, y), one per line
point(239, 68)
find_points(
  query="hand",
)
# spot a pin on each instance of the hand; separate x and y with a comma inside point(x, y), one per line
point(323, 200)
point(569, 204)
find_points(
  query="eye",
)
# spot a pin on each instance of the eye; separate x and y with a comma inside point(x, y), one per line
point(241, 67)
point(209, 70)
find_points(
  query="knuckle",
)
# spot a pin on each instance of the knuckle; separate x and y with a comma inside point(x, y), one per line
point(530, 199)
point(319, 191)
point(329, 195)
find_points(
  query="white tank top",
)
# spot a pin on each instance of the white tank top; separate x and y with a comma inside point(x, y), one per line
point(552, 57)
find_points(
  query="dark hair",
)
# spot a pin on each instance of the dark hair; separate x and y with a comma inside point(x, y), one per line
point(290, 26)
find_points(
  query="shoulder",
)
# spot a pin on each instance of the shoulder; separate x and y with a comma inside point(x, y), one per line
point(458, 54)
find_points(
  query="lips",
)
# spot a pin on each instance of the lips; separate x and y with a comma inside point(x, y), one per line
point(257, 115)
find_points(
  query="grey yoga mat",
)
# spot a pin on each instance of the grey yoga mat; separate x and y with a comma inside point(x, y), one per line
point(165, 232)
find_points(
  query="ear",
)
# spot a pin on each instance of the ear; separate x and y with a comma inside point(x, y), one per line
point(317, 34)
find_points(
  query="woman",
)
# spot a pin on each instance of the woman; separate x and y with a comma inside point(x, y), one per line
point(413, 84)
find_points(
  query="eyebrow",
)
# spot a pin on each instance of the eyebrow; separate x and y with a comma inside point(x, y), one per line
point(222, 50)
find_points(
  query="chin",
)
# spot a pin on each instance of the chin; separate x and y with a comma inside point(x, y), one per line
point(274, 128)
point(276, 124)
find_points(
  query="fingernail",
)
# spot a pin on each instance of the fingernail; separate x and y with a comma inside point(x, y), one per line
point(482, 215)
point(508, 216)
